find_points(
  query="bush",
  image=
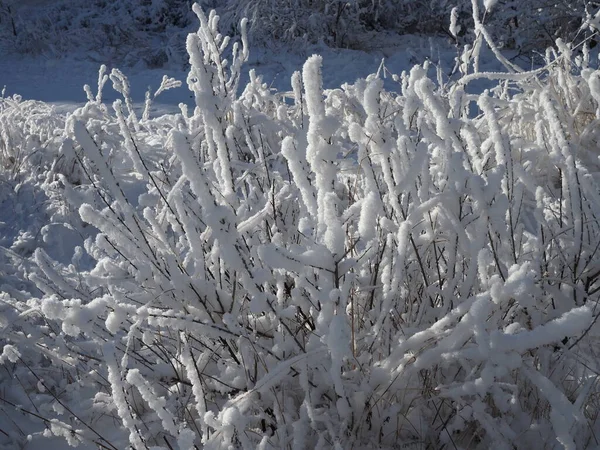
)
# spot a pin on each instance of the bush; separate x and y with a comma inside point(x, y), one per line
point(525, 27)
point(152, 32)
point(126, 32)
point(353, 268)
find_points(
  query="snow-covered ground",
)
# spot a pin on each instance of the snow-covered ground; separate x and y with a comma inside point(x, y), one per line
point(60, 80)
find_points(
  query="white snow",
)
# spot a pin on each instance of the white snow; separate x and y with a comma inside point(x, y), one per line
point(266, 249)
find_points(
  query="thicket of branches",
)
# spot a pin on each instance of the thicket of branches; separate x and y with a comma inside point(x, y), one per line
point(351, 268)
point(523, 26)
point(131, 31)
point(125, 32)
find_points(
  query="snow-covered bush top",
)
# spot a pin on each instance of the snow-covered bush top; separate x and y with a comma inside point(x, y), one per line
point(352, 268)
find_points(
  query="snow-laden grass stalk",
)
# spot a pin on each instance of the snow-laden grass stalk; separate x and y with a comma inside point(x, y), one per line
point(358, 268)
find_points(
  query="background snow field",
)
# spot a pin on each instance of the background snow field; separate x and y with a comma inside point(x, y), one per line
point(332, 225)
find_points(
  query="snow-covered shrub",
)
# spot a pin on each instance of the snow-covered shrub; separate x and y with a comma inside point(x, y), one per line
point(151, 32)
point(27, 129)
point(335, 22)
point(353, 268)
point(127, 32)
point(525, 26)
point(529, 27)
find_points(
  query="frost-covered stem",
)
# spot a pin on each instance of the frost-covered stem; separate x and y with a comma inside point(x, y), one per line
point(321, 156)
point(561, 153)
point(211, 49)
point(297, 165)
point(298, 96)
point(121, 85)
point(102, 79)
point(147, 106)
point(193, 373)
point(211, 106)
point(482, 31)
point(239, 58)
point(158, 404)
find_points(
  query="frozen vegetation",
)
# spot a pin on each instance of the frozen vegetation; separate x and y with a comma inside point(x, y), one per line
point(406, 261)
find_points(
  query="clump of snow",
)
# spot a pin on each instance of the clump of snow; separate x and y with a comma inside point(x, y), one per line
point(9, 353)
